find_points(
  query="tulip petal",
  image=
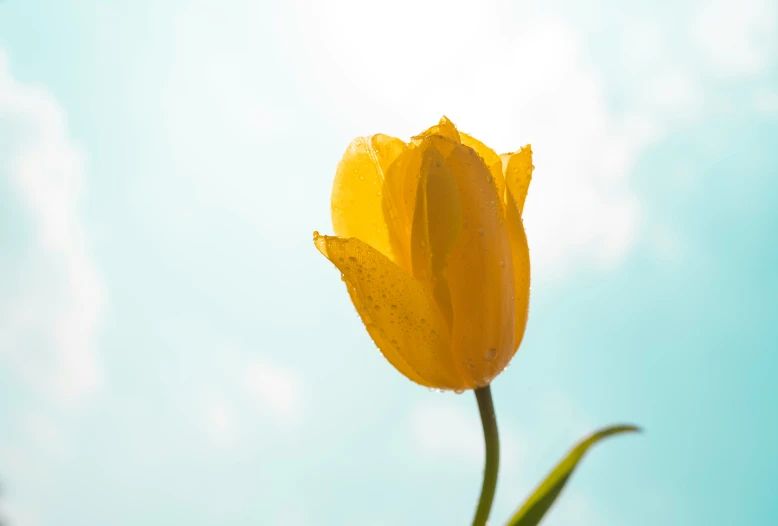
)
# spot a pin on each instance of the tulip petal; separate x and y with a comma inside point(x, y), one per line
point(521, 270)
point(400, 315)
point(479, 272)
point(402, 185)
point(402, 179)
point(518, 174)
point(437, 223)
point(444, 128)
point(358, 206)
point(491, 159)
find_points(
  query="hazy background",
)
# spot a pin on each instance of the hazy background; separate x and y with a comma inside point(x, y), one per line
point(173, 350)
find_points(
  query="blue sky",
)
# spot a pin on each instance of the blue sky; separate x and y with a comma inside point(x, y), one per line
point(173, 349)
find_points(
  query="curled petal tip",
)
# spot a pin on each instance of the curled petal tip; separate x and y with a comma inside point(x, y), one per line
point(320, 242)
point(446, 120)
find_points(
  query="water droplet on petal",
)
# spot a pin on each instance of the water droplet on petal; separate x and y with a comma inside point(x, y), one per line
point(490, 354)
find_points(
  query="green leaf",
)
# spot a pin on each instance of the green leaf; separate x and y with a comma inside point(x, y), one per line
point(541, 500)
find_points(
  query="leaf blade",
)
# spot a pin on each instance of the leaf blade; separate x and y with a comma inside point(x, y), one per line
point(540, 501)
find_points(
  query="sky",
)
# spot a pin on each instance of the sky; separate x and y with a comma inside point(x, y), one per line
point(174, 350)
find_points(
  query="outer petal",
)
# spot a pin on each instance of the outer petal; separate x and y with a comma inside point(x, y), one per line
point(479, 271)
point(518, 174)
point(358, 207)
point(399, 314)
point(491, 159)
point(521, 270)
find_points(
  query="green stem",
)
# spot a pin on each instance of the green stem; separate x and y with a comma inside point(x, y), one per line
point(489, 420)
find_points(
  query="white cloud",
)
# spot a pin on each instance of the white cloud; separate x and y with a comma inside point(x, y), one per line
point(53, 299)
point(736, 37)
point(440, 428)
point(276, 389)
point(223, 80)
point(509, 76)
point(512, 80)
point(674, 90)
point(21, 468)
point(220, 421)
point(14, 515)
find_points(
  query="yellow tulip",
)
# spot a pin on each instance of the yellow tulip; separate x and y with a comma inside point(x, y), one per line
point(431, 245)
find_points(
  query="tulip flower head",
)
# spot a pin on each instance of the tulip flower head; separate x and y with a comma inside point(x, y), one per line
point(431, 245)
